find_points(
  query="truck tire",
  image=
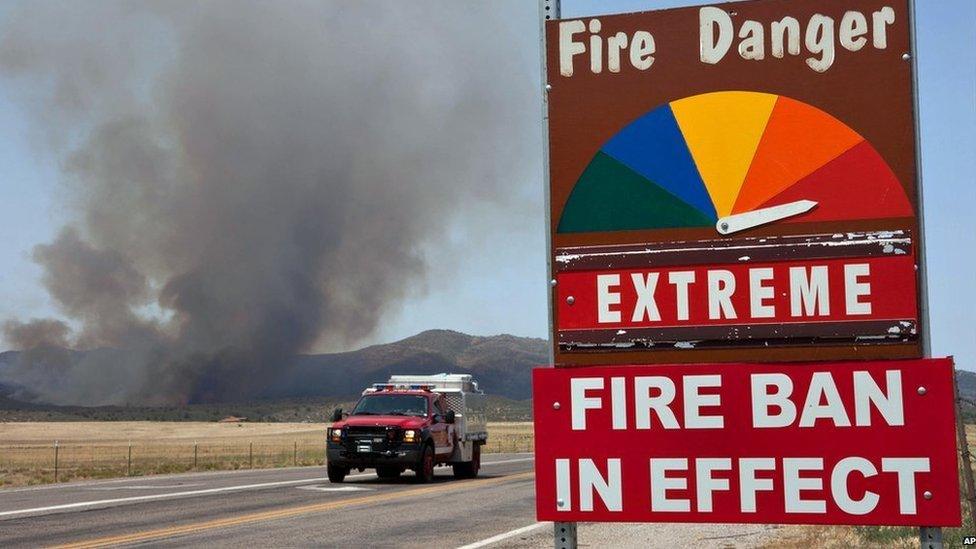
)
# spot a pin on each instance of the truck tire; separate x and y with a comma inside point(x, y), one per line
point(336, 473)
point(425, 467)
point(469, 469)
point(388, 473)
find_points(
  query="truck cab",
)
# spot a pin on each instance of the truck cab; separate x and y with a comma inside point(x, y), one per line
point(397, 426)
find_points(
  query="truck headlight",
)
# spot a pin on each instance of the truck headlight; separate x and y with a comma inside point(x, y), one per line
point(335, 435)
point(410, 435)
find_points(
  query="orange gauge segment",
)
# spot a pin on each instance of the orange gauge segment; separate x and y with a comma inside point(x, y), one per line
point(798, 140)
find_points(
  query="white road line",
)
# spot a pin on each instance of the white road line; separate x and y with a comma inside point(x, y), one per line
point(135, 499)
point(159, 496)
point(483, 463)
point(144, 487)
point(506, 535)
point(335, 488)
point(209, 474)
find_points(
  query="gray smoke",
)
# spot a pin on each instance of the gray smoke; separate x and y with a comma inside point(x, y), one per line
point(252, 179)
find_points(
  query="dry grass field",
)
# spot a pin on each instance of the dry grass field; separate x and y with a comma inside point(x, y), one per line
point(102, 450)
point(44, 452)
point(516, 436)
point(121, 432)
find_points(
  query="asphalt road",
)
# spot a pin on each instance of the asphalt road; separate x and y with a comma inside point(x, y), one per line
point(294, 507)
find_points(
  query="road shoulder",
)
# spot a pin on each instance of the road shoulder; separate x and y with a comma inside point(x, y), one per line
point(627, 535)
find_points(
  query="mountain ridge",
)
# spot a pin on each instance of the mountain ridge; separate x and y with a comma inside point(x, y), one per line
point(501, 363)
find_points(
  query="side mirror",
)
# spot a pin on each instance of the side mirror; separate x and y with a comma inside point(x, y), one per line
point(337, 414)
point(449, 416)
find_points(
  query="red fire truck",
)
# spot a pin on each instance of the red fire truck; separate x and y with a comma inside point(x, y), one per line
point(410, 422)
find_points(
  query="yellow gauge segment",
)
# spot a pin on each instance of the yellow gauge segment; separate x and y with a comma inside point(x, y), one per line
point(722, 131)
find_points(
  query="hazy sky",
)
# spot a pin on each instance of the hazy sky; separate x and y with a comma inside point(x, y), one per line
point(487, 283)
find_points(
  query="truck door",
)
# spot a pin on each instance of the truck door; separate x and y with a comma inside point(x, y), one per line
point(442, 432)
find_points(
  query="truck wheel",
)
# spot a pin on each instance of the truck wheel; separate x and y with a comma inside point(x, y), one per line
point(469, 469)
point(425, 468)
point(336, 473)
point(388, 473)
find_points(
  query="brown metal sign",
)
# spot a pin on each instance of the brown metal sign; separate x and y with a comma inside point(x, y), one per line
point(734, 182)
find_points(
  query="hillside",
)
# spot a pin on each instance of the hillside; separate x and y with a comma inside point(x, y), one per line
point(308, 388)
point(502, 364)
point(966, 384)
point(309, 384)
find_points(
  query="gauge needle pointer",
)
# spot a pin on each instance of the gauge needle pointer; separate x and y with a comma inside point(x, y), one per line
point(747, 220)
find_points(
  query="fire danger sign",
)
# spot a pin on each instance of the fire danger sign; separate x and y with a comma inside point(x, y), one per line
point(734, 182)
point(827, 443)
point(736, 259)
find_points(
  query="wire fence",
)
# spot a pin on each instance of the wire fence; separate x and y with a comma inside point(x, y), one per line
point(24, 464)
point(57, 462)
point(509, 444)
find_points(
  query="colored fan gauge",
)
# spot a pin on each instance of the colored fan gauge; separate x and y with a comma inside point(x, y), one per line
point(732, 160)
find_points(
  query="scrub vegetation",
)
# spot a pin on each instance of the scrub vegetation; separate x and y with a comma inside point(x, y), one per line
point(297, 410)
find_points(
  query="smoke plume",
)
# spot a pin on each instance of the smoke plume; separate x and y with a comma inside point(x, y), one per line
point(248, 180)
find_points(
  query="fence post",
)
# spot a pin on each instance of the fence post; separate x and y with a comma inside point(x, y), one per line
point(250, 455)
point(128, 462)
point(967, 467)
point(194, 454)
point(295, 454)
point(55, 461)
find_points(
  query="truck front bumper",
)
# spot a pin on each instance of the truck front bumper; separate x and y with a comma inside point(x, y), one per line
point(405, 455)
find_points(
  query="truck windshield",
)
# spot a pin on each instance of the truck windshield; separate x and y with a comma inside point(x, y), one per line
point(391, 405)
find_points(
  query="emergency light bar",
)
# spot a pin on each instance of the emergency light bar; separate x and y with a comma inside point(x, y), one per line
point(401, 387)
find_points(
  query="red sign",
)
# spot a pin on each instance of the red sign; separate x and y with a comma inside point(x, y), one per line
point(869, 297)
point(826, 443)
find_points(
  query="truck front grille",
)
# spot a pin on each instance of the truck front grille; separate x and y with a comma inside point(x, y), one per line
point(377, 438)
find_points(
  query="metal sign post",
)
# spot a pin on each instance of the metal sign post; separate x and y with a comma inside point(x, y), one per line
point(930, 537)
point(564, 533)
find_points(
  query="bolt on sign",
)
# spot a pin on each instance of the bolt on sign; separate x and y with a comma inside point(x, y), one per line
point(732, 180)
point(835, 443)
point(738, 313)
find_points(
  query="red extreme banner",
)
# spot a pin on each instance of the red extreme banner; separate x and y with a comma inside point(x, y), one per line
point(799, 291)
point(871, 298)
point(804, 443)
